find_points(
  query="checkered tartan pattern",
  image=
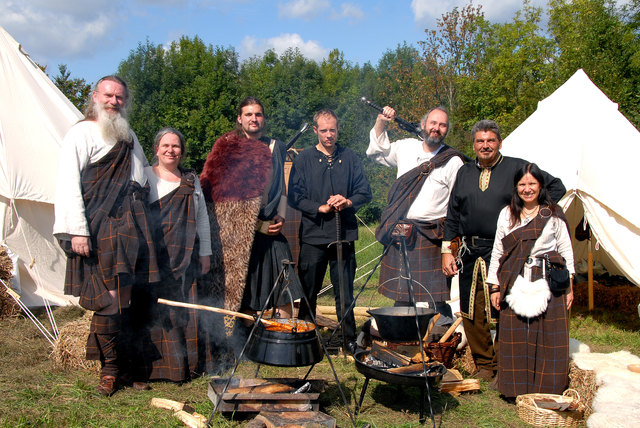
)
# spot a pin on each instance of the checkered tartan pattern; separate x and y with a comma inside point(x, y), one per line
point(425, 263)
point(175, 221)
point(120, 236)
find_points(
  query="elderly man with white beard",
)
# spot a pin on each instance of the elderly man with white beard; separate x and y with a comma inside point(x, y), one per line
point(101, 220)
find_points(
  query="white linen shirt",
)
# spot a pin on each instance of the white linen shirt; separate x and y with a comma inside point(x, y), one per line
point(160, 188)
point(82, 145)
point(431, 203)
point(554, 236)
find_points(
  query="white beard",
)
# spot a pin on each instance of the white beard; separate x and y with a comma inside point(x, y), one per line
point(114, 127)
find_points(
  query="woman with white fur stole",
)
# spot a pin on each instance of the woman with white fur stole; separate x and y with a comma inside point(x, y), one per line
point(533, 333)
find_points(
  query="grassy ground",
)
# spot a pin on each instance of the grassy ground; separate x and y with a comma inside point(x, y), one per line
point(35, 393)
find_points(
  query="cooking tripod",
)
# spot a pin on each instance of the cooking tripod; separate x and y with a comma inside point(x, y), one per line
point(401, 239)
point(282, 284)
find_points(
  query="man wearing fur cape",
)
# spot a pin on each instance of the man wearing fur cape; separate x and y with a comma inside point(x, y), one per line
point(243, 183)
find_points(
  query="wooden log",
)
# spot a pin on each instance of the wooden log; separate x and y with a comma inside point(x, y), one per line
point(358, 311)
point(460, 386)
point(163, 403)
point(450, 331)
point(192, 420)
point(296, 419)
point(389, 356)
point(411, 368)
point(452, 375)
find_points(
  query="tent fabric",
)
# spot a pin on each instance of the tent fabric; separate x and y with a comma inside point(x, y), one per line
point(34, 117)
point(578, 134)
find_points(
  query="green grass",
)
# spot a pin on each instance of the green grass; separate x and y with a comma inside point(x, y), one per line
point(35, 393)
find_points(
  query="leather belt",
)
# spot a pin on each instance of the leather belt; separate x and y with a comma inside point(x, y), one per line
point(476, 241)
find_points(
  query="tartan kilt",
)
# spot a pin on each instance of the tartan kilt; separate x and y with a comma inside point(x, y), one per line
point(533, 354)
point(425, 263)
point(174, 334)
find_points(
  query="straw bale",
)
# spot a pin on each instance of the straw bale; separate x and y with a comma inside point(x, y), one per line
point(463, 361)
point(69, 350)
point(584, 382)
point(8, 307)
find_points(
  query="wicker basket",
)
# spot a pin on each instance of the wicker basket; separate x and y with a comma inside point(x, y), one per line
point(445, 351)
point(530, 413)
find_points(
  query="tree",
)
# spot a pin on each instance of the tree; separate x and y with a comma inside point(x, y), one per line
point(592, 35)
point(190, 86)
point(76, 90)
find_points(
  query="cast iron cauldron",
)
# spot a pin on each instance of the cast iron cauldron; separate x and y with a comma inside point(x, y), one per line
point(398, 323)
point(285, 348)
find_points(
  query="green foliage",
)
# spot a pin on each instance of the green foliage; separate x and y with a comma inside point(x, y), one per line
point(190, 86)
point(76, 90)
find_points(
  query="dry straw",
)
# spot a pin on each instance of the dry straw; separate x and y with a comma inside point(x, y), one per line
point(69, 350)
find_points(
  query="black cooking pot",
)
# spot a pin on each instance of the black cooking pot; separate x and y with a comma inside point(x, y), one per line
point(398, 323)
point(285, 348)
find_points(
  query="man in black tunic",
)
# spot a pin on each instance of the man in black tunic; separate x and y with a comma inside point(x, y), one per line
point(327, 185)
point(101, 221)
point(481, 190)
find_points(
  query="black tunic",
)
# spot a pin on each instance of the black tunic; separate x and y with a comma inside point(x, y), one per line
point(313, 181)
point(474, 212)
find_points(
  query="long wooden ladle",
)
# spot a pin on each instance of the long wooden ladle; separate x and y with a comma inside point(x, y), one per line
point(280, 326)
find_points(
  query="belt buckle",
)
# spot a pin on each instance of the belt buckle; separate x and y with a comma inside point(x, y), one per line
point(473, 241)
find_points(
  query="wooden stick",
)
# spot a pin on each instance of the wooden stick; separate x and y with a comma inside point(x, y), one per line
point(449, 332)
point(435, 319)
point(224, 311)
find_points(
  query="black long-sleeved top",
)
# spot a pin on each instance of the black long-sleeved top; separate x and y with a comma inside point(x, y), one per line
point(472, 212)
point(313, 180)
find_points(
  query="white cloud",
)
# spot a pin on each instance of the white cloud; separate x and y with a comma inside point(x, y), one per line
point(349, 11)
point(302, 9)
point(66, 28)
point(428, 11)
point(252, 46)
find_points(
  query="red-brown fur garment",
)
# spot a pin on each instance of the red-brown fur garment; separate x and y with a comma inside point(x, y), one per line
point(236, 169)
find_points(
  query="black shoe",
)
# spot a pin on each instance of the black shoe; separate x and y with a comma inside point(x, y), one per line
point(352, 347)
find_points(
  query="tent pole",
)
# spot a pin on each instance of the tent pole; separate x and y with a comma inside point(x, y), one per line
point(590, 275)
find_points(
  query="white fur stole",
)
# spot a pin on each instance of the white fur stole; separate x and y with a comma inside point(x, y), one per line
point(529, 299)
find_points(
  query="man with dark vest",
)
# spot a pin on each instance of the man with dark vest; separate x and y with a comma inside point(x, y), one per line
point(482, 189)
point(101, 221)
point(418, 200)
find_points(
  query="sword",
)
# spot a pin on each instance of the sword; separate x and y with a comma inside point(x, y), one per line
point(402, 124)
point(293, 139)
point(338, 242)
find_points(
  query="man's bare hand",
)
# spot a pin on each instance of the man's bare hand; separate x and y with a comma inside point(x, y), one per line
point(495, 300)
point(81, 245)
point(449, 266)
point(324, 209)
point(276, 227)
point(205, 264)
point(339, 202)
point(387, 115)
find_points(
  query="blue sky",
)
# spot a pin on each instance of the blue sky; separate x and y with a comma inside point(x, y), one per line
point(93, 36)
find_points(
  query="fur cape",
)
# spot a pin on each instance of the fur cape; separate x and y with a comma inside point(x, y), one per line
point(236, 169)
point(233, 180)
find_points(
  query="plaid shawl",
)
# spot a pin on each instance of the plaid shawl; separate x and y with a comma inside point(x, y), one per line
point(405, 189)
point(121, 240)
point(176, 226)
point(517, 247)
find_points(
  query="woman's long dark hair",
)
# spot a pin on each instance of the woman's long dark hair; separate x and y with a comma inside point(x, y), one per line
point(517, 204)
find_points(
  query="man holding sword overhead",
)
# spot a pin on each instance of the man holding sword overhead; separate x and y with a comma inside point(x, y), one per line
point(327, 185)
point(417, 205)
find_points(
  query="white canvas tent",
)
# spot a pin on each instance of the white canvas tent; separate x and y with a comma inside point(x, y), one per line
point(34, 117)
point(579, 135)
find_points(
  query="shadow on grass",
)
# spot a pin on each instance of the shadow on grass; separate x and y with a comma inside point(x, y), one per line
point(608, 317)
